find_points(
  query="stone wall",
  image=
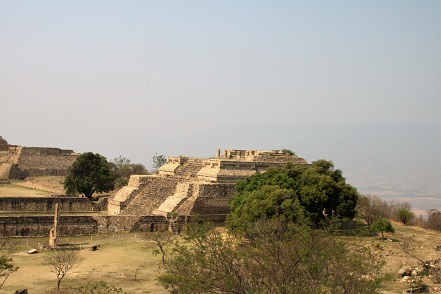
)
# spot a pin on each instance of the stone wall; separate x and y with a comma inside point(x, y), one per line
point(46, 161)
point(130, 223)
point(214, 198)
point(44, 204)
point(142, 195)
point(77, 225)
point(40, 226)
point(22, 162)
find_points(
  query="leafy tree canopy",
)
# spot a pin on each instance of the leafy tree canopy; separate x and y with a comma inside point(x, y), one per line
point(123, 168)
point(293, 192)
point(90, 173)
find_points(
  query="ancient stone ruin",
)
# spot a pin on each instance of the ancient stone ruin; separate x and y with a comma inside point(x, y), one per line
point(18, 162)
point(182, 188)
point(187, 186)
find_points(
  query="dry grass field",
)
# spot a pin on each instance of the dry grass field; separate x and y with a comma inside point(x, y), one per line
point(122, 255)
point(20, 191)
point(37, 186)
point(116, 262)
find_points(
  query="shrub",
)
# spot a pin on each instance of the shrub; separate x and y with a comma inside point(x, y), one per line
point(271, 257)
point(382, 225)
point(433, 220)
point(404, 215)
point(100, 288)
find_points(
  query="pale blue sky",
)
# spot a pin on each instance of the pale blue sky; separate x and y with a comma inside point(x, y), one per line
point(133, 78)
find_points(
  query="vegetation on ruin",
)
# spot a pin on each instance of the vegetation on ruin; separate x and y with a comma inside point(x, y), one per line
point(317, 193)
point(288, 151)
point(158, 161)
point(89, 174)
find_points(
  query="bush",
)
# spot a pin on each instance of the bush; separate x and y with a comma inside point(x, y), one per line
point(433, 220)
point(100, 288)
point(271, 257)
point(382, 225)
point(371, 207)
point(404, 215)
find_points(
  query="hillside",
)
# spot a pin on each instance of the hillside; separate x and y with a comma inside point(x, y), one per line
point(425, 245)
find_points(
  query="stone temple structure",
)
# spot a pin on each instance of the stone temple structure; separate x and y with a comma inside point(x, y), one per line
point(18, 162)
point(187, 186)
point(182, 188)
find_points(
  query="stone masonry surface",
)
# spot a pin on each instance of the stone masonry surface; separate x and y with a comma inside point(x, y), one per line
point(187, 186)
point(17, 162)
point(184, 187)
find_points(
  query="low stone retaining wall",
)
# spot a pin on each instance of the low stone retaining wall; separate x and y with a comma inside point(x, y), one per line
point(80, 225)
point(44, 204)
point(39, 226)
point(77, 225)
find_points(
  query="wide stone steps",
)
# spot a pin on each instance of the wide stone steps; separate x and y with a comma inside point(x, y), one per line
point(5, 170)
point(190, 169)
point(150, 197)
point(183, 191)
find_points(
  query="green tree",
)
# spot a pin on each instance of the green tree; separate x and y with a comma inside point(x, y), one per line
point(382, 225)
point(90, 173)
point(317, 192)
point(123, 168)
point(158, 161)
point(404, 215)
point(272, 257)
point(268, 202)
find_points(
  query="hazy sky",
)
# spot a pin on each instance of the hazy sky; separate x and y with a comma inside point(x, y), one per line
point(126, 77)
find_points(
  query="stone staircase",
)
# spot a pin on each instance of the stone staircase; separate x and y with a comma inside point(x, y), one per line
point(5, 170)
point(150, 196)
point(122, 198)
point(186, 207)
point(190, 169)
point(182, 192)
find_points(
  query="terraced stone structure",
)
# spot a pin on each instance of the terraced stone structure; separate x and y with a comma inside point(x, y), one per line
point(183, 187)
point(187, 186)
point(18, 162)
